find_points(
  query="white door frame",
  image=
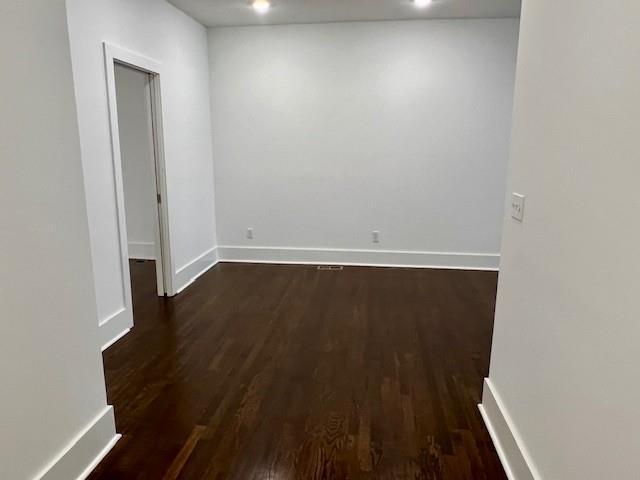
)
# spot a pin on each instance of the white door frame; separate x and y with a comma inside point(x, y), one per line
point(164, 267)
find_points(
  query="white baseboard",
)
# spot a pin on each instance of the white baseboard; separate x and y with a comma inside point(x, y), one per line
point(115, 327)
point(85, 451)
point(186, 275)
point(514, 457)
point(142, 250)
point(376, 258)
point(115, 339)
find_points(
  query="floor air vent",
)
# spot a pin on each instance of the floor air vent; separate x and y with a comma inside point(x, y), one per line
point(330, 267)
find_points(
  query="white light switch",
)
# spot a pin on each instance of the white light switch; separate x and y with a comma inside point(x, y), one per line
point(517, 206)
point(375, 236)
point(250, 233)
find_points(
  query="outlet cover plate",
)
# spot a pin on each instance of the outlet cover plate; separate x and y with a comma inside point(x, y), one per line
point(517, 206)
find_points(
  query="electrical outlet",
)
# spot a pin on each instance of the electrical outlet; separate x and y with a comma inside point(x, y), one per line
point(517, 207)
point(250, 233)
point(375, 236)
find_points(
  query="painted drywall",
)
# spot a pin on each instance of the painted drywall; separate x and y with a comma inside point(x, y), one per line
point(325, 133)
point(565, 350)
point(50, 365)
point(137, 157)
point(159, 31)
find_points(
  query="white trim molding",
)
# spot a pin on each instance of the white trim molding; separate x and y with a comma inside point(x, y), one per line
point(112, 328)
point(112, 55)
point(374, 258)
point(85, 451)
point(188, 274)
point(142, 250)
point(515, 459)
point(115, 339)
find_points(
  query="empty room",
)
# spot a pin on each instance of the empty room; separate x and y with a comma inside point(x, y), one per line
point(321, 239)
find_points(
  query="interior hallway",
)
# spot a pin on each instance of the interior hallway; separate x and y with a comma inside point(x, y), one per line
point(282, 372)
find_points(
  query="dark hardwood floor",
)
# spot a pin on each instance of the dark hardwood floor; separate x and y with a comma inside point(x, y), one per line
point(287, 372)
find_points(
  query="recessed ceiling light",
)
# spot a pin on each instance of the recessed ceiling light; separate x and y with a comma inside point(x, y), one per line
point(422, 3)
point(261, 6)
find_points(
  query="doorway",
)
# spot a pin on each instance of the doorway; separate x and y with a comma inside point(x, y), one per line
point(135, 108)
point(137, 155)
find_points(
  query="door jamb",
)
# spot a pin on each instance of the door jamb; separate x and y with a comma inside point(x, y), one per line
point(113, 55)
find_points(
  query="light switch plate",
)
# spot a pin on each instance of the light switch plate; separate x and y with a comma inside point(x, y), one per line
point(517, 206)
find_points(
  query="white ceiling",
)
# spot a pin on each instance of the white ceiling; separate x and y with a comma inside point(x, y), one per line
point(216, 13)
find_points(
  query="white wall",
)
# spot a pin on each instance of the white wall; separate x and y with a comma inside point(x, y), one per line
point(159, 31)
point(136, 152)
point(324, 133)
point(566, 351)
point(50, 365)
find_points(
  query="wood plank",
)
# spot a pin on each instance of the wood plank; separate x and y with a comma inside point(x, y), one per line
point(276, 371)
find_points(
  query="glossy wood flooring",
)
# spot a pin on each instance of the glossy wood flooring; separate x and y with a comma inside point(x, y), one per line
point(287, 372)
